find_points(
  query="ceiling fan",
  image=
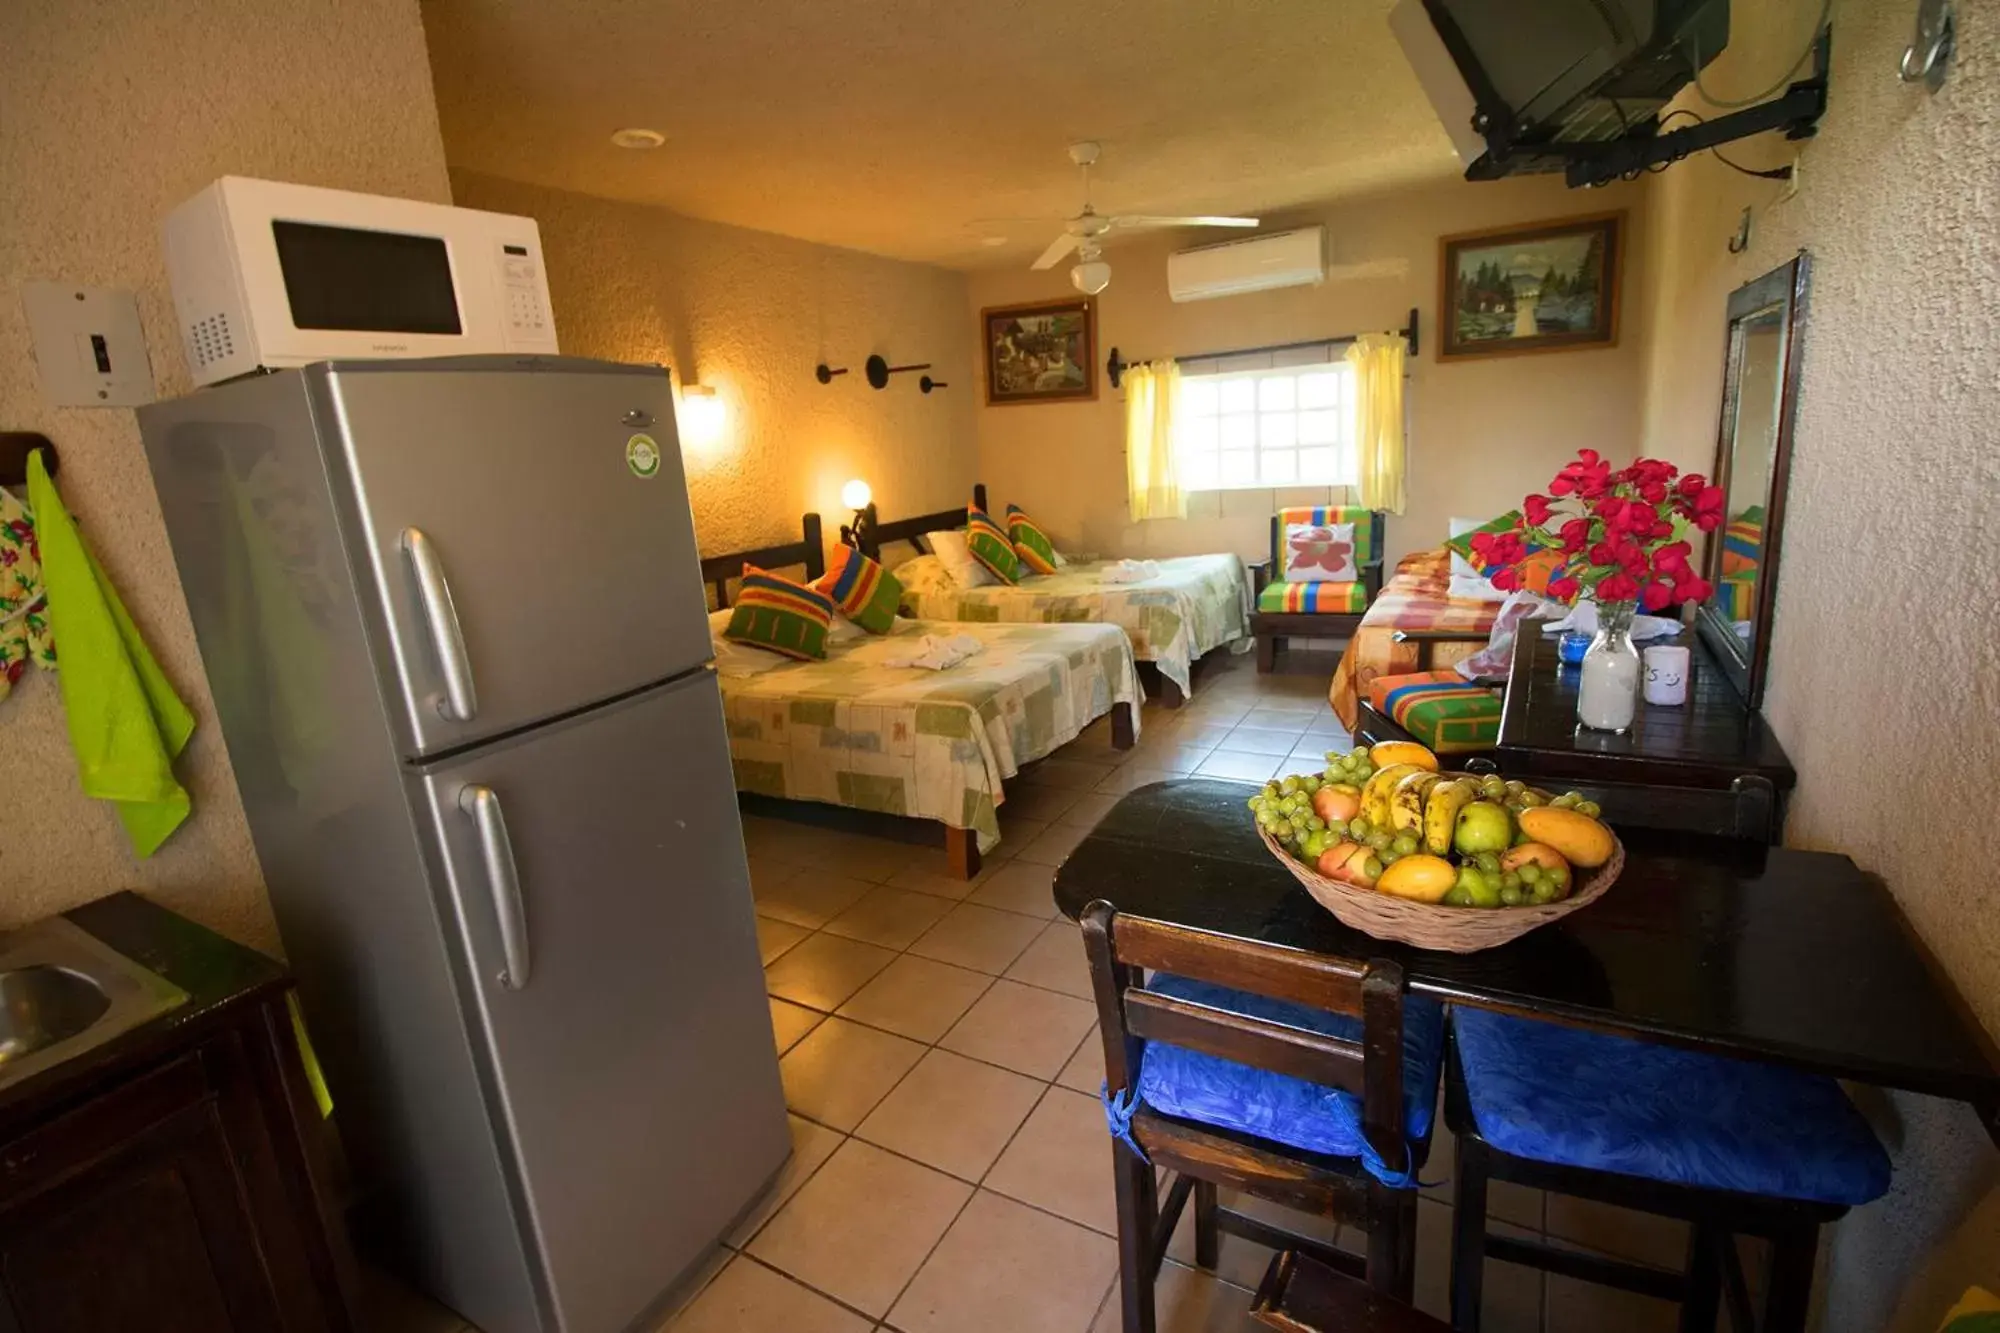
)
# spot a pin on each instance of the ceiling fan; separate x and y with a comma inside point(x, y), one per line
point(1084, 232)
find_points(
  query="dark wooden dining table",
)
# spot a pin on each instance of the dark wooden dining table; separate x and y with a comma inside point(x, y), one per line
point(1795, 957)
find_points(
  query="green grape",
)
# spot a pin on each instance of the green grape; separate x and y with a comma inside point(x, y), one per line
point(1564, 801)
point(1281, 830)
point(1457, 897)
point(1289, 786)
point(1389, 856)
point(1530, 799)
point(1335, 759)
point(1357, 828)
point(1404, 845)
point(1331, 775)
point(1510, 897)
point(1270, 791)
point(1591, 808)
point(1514, 786)
point(1510, 879)
point(1544, 892)
point(1315, 823)
point(1372, 867)
point(1381, 838)
point(1492, 787)
point(1558, 876)
point(1489, 862)
point(1530, 873)
point(1310, 782)
point(1363, 771)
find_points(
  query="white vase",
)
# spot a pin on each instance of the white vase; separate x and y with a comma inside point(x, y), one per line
point(1607, 697)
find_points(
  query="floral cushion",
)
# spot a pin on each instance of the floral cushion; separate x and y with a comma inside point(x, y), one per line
point(1283, 598)
point(1362, 520)
point(1031, 544)
point(1194, 1086)
point(1576, 1098)
point(991, 547)
point(1319, 553)
point(862, 590)
point(776, 613)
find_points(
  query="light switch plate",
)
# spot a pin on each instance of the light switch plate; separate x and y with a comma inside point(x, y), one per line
point(89, 346)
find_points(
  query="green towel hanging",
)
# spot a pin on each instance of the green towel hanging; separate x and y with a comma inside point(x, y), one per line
point(126, 724)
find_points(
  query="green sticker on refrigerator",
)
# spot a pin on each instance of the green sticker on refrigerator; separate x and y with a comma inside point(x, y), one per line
point(642, 455)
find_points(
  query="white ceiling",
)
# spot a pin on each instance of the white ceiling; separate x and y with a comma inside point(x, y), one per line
point(905, 127)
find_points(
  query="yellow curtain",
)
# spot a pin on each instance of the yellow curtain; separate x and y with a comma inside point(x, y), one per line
point(1153, 481)
point(1379, 443)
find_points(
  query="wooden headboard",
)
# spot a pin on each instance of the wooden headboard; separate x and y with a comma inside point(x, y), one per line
point(873, 534)
point(720, 569)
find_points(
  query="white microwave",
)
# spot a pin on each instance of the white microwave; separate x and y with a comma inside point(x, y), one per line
point(267, 275)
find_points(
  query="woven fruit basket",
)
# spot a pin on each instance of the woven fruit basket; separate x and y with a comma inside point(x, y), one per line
point(1433, 925)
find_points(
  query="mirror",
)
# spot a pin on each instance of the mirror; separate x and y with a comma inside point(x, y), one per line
point(1752, 457)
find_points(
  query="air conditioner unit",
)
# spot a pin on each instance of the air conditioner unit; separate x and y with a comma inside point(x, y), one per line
point(1257, 264)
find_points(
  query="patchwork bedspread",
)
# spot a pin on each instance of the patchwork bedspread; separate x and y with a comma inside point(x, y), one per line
point(1414, 598)
point(1197, 603)
point(930, 744)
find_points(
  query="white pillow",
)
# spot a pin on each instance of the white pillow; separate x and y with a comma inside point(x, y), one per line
point(1461, 568)
point(950, 548)
point(1320, 553)
point(924, 575)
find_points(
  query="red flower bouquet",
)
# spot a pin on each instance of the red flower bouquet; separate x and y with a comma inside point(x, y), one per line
point(1615, 531)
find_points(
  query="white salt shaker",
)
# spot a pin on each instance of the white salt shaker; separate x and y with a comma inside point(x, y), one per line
point(1666, 674)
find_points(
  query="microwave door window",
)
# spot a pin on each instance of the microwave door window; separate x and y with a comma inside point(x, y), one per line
point(366, 281)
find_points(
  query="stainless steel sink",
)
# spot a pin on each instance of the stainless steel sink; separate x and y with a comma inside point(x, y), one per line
point(63, 992)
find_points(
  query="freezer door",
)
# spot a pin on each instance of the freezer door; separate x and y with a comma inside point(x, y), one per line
point(525, 537)
point(597, 873)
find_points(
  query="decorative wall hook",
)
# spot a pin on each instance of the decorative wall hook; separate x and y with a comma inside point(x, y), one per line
point(825, 373)
point(927, 384)
point(879, 370)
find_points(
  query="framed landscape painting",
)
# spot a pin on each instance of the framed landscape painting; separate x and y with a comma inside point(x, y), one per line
point(1543, 288)
point(1040, 353)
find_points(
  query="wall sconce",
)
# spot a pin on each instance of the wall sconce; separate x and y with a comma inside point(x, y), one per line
point(701, 415)
point(857, 496)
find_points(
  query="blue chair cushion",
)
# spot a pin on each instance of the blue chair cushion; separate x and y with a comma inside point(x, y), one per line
point(1194, 1086)
point(1575, 1098)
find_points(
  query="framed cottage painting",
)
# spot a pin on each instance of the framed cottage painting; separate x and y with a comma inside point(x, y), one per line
point(1548, 287)
point(1040, 353)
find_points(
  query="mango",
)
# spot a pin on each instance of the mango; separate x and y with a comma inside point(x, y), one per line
point(1402, 752)
point(1581, 840)
point(1422, 878)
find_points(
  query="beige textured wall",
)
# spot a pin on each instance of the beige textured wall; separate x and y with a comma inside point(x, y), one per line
point(751, 314)
point(1886, 648)
point(110, 114)
point(1482, 433)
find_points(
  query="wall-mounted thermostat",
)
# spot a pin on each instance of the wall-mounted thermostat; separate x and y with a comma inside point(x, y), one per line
point(89, 347)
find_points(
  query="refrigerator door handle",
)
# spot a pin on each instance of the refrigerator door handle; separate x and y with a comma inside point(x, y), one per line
point(497, 851)
point(460, 701)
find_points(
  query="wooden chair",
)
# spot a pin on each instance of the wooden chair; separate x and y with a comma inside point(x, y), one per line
point(1288, 611)
point(1301, 1295)
point(1782, 1154)
point(1291, 1042)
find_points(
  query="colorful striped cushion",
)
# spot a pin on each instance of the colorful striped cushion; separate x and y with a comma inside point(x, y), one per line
point(1284, 598)
point(1736, 595)
point(775, 613)
point(1442, 709)
point(1031, 544)
point(865, 593)
point(1742, 544)
point(990, 547)
point(1323, 515)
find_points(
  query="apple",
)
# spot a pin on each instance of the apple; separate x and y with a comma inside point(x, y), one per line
point(1337, 803)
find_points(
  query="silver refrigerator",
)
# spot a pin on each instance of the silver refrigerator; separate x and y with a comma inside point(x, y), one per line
point(452, 616)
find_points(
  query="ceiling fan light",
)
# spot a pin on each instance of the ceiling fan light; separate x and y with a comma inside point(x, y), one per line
point(1090, 277)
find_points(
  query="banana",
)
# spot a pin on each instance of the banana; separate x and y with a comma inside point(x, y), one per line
point(1406, 802)
point(1441, 809)
point(1375, 796)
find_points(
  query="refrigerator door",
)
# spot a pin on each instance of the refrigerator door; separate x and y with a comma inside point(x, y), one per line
point(523, 528)
point(603, 905)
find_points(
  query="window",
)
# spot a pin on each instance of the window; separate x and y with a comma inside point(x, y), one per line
point(1245, 422)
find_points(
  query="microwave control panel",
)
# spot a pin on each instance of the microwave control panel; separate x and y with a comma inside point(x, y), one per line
point(523, 298)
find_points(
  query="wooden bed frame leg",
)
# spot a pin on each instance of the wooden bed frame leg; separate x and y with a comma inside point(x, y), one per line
point(1121, 726)
point(961, 852)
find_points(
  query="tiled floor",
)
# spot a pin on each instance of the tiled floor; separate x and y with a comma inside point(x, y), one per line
point(939, 1056)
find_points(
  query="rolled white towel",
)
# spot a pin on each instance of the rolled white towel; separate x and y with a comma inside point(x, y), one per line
point(936, 652)
point(1132, 571)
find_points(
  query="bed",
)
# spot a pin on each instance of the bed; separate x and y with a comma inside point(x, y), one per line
point(939, 745)
point(1415, 601)
point(1196, 604)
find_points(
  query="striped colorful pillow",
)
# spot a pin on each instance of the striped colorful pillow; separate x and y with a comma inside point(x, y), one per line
point(775, 613)
point(1037, 552)
point(989, 545)
point(864, 592)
